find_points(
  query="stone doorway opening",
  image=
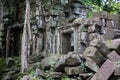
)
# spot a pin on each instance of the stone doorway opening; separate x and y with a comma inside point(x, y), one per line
point(67, 42)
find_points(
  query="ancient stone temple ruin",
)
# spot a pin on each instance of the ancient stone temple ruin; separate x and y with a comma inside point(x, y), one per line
point(60, 35)
point(58, 28)
point(46, 24)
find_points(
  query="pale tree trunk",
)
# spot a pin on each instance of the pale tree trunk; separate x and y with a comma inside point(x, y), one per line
point(26, 39)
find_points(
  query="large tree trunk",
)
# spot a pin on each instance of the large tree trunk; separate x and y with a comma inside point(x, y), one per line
point(26, 39)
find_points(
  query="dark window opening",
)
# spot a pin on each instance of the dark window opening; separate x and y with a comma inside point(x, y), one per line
point(67, 14)
point(67, 42)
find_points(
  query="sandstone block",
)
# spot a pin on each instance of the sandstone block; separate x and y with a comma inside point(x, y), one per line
point(73, 70)
point(94, 54)
point(56, 75)
point(113, 56)
point(91, 64)
point(72, 59)
point(105, 71)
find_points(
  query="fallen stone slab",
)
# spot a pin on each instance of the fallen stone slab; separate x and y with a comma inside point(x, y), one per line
point(59, 66)
point(114, 45)
point(48, 61)
point(105, 71)
point(117, 70)
point(72, 59)
point(94, 54)
point(35, 58)
point(101, 46)
point(103, 49)
point(73, 70)
point(89, 63)
point(56, 75)
point(113, 56)
point(86, 75)
point(39, 73)
point(72, 62)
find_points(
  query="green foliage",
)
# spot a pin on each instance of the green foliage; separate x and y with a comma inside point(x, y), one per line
point(84, 29)
point(46, 4)
point(65, 77)
point(82, 65)
point(90, 14)
point(100, 5)
point(2, 66)
point(109, 42)
point(20, 75)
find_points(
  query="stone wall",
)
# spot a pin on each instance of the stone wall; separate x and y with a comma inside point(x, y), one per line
point(102, 25)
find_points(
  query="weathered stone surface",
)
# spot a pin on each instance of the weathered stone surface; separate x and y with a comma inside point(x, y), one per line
point(39, 73)
point(116, 24)
point(35, 58)
point(26, 77)
point(78, 21)
point(81, 48)
point(91, 28)
point(113, 56)
point(109, 24)
point(114, 17)
point(94, 28)
point(56, 12)
point(92, 36)
point(56, 2)
point(83, 36)
point(1, 27)
point(88, 21)
point(86, 75)
point(101, 14)
point(114, 45)
point(97, 21)
point(100, 45)
point(47, 62)
point(72, 59)
point(95, 42)
point(94, 54)
point(73, 70)
point(91, 64)
point(9, 75)
point(59, 66)
point(109, 33)
point(116, 34)
point(117, 70)
point(103, 49)
point(56, 75)
point(105, 71)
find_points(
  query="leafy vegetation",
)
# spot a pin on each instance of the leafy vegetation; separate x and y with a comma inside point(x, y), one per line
point(110, 6)
point(2, 66)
